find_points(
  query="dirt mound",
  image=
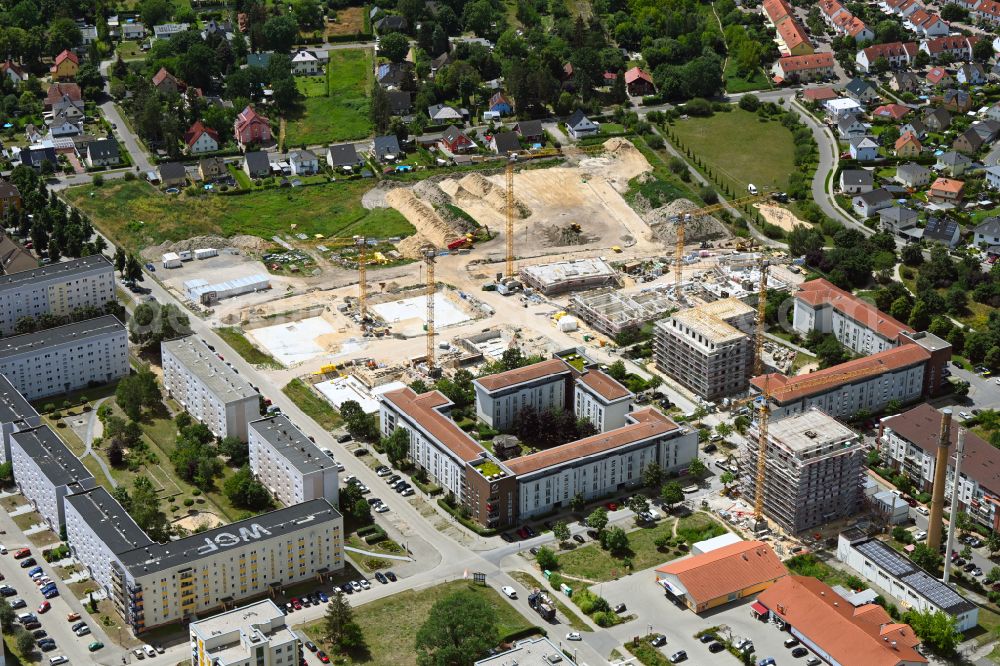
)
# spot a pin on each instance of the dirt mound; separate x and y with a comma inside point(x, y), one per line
point(429, 190)
point(780, 217)
point(477, 186)
point(430, 227)
point(699, 228)
point(251, 245)
point(629, 157)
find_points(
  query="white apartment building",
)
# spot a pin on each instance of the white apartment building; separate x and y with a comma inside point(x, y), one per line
point(16, 414)
point(66, 358)
point(207, 388)
point(292, 468)
point(252, 635)
point(98, 529)
point(45, 471)
point(56, 289)
point(858, 325)
point(601, 400)
point(909, 585)
point(500, 397)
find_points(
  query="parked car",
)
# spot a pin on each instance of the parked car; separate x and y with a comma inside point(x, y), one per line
point(578, 538)
point(82, 631)
point(310, 646)
point(150, 652)
point(95, 646)
point(391, 576)
point(799, 652)
point(21, 603)
point(716, 647)
point(24, 552)
point(574, 636)
point(658, 640)
point(620, 608)
point(380, 577)
point(44, 607)
point(30, 562)
point(509, 591)
point(139, 654)
point(678, 657)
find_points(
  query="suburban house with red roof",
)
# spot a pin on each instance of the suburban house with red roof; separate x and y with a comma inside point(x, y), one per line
point(251, 128)
point(939, 76)
point(891, 111)
point(14, 71)
point(65, 67)
point(167, 83)
point(456, 142)
point(201, 138)
point(793, 38)
point(908, 145)
point(639, 83)
point(959, 46)
point(897, 54)
point(61, 95)
point(803, 68)
point(946, 190)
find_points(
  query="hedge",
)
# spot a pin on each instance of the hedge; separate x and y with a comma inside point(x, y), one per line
point(475, 527)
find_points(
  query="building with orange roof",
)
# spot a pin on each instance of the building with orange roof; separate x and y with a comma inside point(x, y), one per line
point(65, 67)
point(834, 629)
point(601, 400)
point(908, 145)
point(540, 386)
point(776, 11)
point(946, 190)
point(706, 581)
point(793, 38)
point(803, 68)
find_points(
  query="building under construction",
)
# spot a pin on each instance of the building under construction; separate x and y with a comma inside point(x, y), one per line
point(563, 276)
point(610, 311)
point(708, 348)
point(814, 470)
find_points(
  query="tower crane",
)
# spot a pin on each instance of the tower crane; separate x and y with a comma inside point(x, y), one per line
point(362, 244)
point(509, 172)
point(429, 255)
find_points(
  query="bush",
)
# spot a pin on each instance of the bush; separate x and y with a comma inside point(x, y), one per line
point(128, 176)
point(654, 141)
point(57, 415)
point(196, 492)
point(189, 502)
point(98, 180)
point(605, 619)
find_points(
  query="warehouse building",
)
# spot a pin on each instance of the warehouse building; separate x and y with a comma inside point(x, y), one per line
point(66, 358)
point(910, 586)
point(46, 471)
point(500, 397)
point(290, 466)
point(200, 291)
point(207, 388)
point(708, 348)
point(612, 311)
point(574, 275)
point(601, 400)
point(254, 634)
point(815, 467)
point(16, 414)
point(736, 571)
point(56, 289)
point(908, 443)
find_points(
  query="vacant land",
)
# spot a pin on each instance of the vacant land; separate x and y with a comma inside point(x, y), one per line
point(712, 140)
point(315, 407)
point(390, 625)
point(137, 215)
point(739, 84)
point(335, 107)
point(350, 21)
point(234, 338)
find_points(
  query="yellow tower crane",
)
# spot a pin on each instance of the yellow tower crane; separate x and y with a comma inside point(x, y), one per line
point(362, 244)
point(429, 255)
point(510, 218)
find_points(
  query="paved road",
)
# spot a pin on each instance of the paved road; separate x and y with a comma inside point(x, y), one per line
point(125, 135)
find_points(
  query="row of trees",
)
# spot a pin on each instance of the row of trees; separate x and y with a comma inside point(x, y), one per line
point(46, 321)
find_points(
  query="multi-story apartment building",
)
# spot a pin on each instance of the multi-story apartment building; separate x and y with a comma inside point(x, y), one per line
point(207, 388)
point(66, 358)
point(16, 413)
point(57, 289)
point(908, 443)
point(252, 635)
point(708, 348)
point(814, 470)
point(500, 397)
point(46, 471)
point(858, 325)
point(292, 468)
point(601, 400)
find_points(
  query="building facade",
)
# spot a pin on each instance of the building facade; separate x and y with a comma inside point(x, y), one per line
point(211, 391)
point(252, 635)
point(16, 414)
point(601, 400)
point(46, 471)
point(814, 470)
point(55, 289)
point(290, 466)
point(542, 386)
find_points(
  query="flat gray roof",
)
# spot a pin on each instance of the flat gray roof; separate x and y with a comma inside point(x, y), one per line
point(56, 462)
point(13, 406)
point(109, 520)
point(290, 442)
point(75, 332)
point(64, 270)
point(160, 556)
point(810, 429)
point(204, 364)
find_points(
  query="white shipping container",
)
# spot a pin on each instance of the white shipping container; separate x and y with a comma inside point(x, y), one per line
point(171, 260)
point(205, 253)
point(568, 323)
point(185, 255)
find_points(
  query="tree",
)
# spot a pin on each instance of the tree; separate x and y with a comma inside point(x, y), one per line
point(63, 34)
point(152, 323)
point(129, 399)
point(994, 575)
point(459, 629)
point(546, 559)
point(561, 531)
point(394, 46)
point(982, 50)
point(617, 371)
point(380, 112)
point(993, 542)
point(577, 502)
point(7, 615)
point(598, 519)
point(339, 626)
point(285, 95)
point(238, 452)
point(652, 475)
point(912, 255)
point(246, 492)
point(144, 507)
point(155, 12)
point(727, 478)
point(6, 472)
point(280, 32)
point(25, 641)
point(671, 494)
point(615, 540)
point(938, 630)
point(697, 469)
point(638, 504)
point(133, 269)
point(926, 557)
point(397, 446)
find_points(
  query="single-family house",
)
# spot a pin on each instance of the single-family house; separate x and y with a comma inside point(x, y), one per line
point(850, 127)
point(442, 113)
point(531, 131)
point(579, 125)
point(168, 30)
point(251, 128)
point(856, 28)
point(907, 146)
point(987, 232)
point(856, 181)
point(639, 83)
point(455, 141)
point(946, 190)
point(898, 220)
point(172, 174)
point(344, 156)
point(400, 102)
point(133, 30)
point(303, 162)
point(499, 104)
point(34, 157)
point(213, 27)
point(912, 175)
point(971, 74)
point(988, 130)
point(14, 72)
point(390, 23)
point(439, 63)
point(867, 204)
point(66, 122)
point(820, 94)
point(958, 101)
point(891, 111)
point(897, 54)
point(65, 67)
point(200, 138)
point(952, 163)
point(903, 81)
point(103, 152)
point(987, 12)
point(939, 76)
point(968, 142)
point(959, 47)
point(915, 127)
point(927, 24)
point(60, 95)
point(394, 75)
point(10, 197)
point(256, 164)
point(505, 143)
point(942, 230)
point(863, 149)
point(992, 157)
point(861, 91)
point(803, 68)
point(212, 169)
point(167, 83)
point(386, 148)
point(305, 63)
point(992, 177)
point(937, 120)
point(792, 38)
point(993, 113)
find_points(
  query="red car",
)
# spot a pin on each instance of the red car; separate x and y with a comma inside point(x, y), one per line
point(611, 506)
point(523, 533)
point(24, 552)
point(296, 604)
point(322, 657)
point(44, 607)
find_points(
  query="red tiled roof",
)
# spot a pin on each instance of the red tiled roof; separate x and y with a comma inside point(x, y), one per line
point(528, 373)
point(422, 409)
point(792, 34)
point(799, 63)
point(820, 94)
point(777, 10)
point(947, 185)
point(949, 43)
point(56, 92)
point(894, 111)
point(196, 130)
point(725, 570)
point(604, 385)
point(635, 74)
point(67, 55)
point(823, 292)
point(909, 137)
point(162, 76)
point(848, 635)
point(830, 7)
point(789, 389)
point(890, 50)
point(855, 26)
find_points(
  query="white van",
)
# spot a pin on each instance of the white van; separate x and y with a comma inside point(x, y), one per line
point(61, 659)
point(752, 189)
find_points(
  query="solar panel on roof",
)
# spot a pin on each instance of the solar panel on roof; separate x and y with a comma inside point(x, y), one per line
point(885, 558)
point(934, 590)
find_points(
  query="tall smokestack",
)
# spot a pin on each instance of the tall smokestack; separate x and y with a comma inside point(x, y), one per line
point(953, 518)
point(940, 476)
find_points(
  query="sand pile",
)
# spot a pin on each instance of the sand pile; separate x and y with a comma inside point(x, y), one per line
point(780, 217)
point(696, 229)
point(431, 229)
point(245, 244)
point(477, 187)
point(630, 161)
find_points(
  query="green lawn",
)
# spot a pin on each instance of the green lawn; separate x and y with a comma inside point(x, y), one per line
point(339, 114)
point(234, 338)
point(137, 215)
point(390, 625)
point(315, 407)
point(594, 563)
point(739, 84)
point(767, 164)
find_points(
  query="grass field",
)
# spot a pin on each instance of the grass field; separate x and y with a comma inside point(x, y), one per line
point(739, 84)
point(315, 407)
point(594, 563)
point(235, 339)
point(712, 139)
point(137, 215)
point(390, 625)
point(341, 114)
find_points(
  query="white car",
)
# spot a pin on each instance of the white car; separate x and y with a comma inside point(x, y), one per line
point(150, 652)
point(965, 415)
point(920, 536)
point(381, 508)
point(923, 511)
point(998, 381)
point(574, 636)
point(3, 549)
point(61, 659)
point(365, 585)
point(509, 591)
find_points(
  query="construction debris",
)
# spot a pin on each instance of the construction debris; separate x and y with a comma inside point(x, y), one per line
point(663, 222)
